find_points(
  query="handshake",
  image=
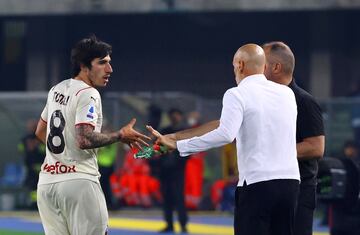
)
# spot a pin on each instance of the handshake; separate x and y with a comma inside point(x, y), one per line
point(163, 143)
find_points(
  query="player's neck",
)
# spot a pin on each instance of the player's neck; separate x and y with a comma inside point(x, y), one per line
point(84, 78)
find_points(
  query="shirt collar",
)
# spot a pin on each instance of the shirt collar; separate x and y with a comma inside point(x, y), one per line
point(253, 78)
point(293, 84)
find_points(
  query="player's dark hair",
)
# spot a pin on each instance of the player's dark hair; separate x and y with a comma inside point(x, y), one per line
point(86, 50)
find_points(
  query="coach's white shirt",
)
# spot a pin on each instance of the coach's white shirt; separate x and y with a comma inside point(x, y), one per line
point(261, 115)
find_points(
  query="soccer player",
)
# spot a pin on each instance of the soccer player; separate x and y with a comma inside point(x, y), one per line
point(70, 199)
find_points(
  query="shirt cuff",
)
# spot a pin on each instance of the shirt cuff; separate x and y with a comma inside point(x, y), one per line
point(181, 145)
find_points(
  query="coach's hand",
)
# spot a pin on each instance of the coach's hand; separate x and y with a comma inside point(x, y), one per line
point(167, 140)
point(130, 136)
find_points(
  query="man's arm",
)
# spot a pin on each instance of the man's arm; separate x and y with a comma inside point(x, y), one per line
point(41, 130)
point(311, 147)
point(169, 140)
point(197, 131)
point(88, 139)
point(310, 128)
point(210, 135)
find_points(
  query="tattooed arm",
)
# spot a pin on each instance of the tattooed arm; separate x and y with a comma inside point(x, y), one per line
point(87, 139)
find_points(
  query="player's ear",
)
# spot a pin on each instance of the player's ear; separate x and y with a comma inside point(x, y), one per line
point(277, 68)
point(241, 66)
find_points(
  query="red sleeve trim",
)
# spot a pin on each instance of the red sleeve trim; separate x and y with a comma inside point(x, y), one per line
point(82, 90)
point(85, 123)
point(43, 120)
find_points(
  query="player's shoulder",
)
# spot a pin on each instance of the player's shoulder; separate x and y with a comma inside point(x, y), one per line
point(64, 86)
point(83, 89)
point(54, 87)
point(59, 87)
point(86, 91)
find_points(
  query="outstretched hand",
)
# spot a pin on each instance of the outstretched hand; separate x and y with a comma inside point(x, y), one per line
point(130, 136)
point(167, 140)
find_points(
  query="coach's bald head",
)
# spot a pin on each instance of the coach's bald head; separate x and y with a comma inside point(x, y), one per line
point(248, 60)
point(280, 62)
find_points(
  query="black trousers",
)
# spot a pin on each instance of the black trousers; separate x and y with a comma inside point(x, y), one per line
point(172, 188)
point(343, 232)
point(266, 208)
point(105, 183)
point(305, 210)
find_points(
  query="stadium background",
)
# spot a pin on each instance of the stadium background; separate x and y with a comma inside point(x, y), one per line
point(171, 53)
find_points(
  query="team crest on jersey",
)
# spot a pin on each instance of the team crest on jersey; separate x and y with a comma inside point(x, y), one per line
point(90, 113)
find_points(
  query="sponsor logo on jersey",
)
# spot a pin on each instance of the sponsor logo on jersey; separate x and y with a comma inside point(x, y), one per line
point(90, 113)
point(59, 168)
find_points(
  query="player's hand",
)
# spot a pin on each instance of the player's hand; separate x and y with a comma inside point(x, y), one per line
point(167, 140)
point(130, 136)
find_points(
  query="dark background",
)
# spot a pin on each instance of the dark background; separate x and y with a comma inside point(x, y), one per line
point(189, 52)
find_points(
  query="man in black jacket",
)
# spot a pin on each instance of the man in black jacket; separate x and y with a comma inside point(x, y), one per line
point(280, 64)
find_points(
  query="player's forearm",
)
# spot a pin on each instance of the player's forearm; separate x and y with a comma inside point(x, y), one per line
point(311, 148)
point(197, 131)
point(40, 131)
point(41, 136)
point(88, 139)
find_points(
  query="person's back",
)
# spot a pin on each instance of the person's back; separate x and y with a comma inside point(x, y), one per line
point(261, 115)
point(266, 103)
point(65, 105)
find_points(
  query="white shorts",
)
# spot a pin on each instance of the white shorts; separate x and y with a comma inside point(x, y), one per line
point(74, 207)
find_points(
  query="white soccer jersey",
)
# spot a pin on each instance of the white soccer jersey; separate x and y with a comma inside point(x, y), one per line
point(70, 103)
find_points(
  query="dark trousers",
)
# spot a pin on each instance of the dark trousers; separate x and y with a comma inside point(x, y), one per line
point(266, 208)
point(305, 210)
point(343, 232)
point(172, 189)
point(105, 183)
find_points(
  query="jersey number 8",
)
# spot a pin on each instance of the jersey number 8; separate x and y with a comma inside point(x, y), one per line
point(55, 140)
